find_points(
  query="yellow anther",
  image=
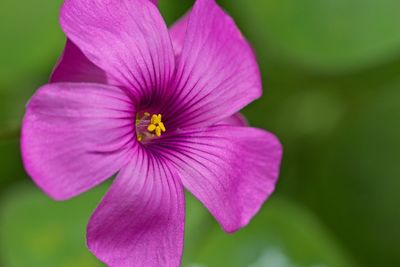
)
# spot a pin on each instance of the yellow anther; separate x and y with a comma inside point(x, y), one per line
point(139, 138)
point(156, 125)
point(151, 127)
point(158, 131)
point(162, 127)
point(155, 119)
point(147, 114)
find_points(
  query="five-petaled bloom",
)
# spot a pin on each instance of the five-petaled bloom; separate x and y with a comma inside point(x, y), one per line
point(157, 107)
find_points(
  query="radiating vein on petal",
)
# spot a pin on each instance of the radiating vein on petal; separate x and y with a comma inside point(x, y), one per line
point(128, 39)
point(217, 73)
point(140, 222)
point(75, 136)
point(232, 170)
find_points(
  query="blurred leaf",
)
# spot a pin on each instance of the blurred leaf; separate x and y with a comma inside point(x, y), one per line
point(327, 35)
point(315, 113)
point(31, 42)
point(36, 231)
point(172, 10)
point(281, 235)
point(358, 179)
point(11, 167)
point(199, 224)
point(33, 33)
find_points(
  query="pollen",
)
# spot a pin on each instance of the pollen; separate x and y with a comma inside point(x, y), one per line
point(156, 125)
point(148, 126)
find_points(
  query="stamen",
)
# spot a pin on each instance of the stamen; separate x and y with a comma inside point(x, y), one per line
point(148, 127)
point(158, 131)
point(156, 125)
point(162, 126)
point(151, 127)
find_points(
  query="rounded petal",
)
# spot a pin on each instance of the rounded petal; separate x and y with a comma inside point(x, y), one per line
point(140, 222)
point(74, 136)
point(128, 39)
point(231, 170)
point(217, 73)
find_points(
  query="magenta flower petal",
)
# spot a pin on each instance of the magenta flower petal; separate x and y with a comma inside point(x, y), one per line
point(74, 66)
point(231, 170)
point(237, 119)
point(217, 73)
point(119, 103)
point(140, 221)
point(128, 39)
point(74, 139)
point(178, 32)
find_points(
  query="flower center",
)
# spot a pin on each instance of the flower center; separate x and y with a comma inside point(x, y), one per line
point(148, 126)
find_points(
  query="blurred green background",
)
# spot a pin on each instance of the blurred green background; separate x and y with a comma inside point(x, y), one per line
point(331, 72)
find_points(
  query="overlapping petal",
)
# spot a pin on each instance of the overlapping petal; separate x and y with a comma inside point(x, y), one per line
point(128, 39)
point(74, 66)
point(217, 73)
point(178, 32)
point(235, 120)
point(232, 170)
point(75, 136)
point(140, 222)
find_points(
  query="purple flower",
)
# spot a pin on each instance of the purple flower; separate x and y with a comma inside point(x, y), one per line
point(158, 107)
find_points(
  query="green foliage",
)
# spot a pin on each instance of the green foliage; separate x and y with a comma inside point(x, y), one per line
point(172, 10)
point(30, 44)
point(11, 166)
point(327, 36)
point(281, 235)
point(36, 231)
point(362, 168)
point(49, 233)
